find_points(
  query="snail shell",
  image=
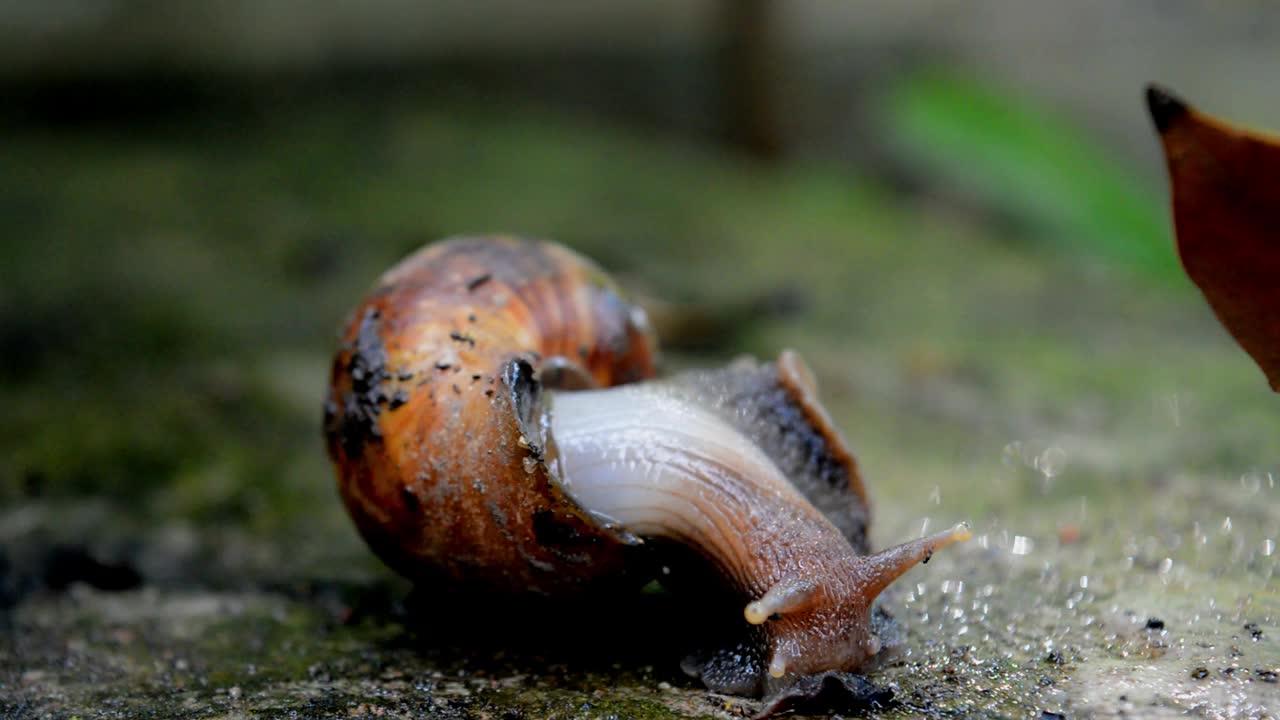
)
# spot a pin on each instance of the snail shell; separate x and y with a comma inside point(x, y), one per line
point(488, 424)
point(424, 414)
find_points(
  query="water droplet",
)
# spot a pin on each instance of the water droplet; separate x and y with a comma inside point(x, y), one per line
point(1084, 582)
point(936, 496)
point(1166, 565)
point(1226, 526)
point(1268, 547)
point(1022, 545)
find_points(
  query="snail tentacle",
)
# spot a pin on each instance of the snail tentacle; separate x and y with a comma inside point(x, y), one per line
point(786, 597)
point(878, 571)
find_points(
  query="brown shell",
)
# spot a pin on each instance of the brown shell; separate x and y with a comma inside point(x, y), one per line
point(430, 417)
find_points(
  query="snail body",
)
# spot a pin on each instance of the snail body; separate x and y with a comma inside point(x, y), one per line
point(493, 420)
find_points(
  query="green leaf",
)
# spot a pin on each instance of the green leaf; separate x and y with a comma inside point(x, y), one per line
point(1020, 160)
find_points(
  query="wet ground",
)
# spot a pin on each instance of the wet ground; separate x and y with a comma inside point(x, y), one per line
point(172, 540)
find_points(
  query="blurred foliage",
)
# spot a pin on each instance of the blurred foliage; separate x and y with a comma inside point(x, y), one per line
point(1026, 162)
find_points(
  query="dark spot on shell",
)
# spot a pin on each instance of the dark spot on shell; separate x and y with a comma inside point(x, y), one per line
point(462, 338)
point(475, 377)
point(471, 317)
point(927, 557)
point(405, 375)
point(488, 393)
point(457, 389)
point(367, 369)
point(410, 498)
point(549, 530)
point(1267, 675)
point(1200, 673)
point(442, 365)
point(477, 281)
point(1155, 623)
point(1054, 658)
point(399, 399)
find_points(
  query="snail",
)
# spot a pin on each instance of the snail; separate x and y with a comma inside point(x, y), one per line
point(495, 422)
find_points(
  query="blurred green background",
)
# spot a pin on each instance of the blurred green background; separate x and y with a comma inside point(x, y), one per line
point(955, 210)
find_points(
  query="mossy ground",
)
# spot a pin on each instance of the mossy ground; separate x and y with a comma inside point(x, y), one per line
point(168, 302)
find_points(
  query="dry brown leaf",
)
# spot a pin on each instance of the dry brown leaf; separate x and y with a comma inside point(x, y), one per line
point(1226, 214)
